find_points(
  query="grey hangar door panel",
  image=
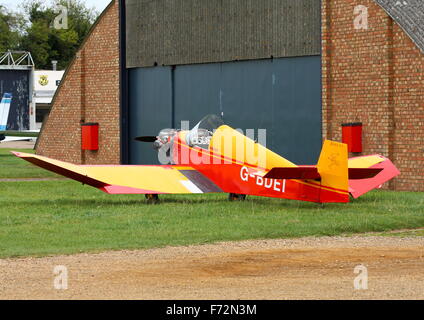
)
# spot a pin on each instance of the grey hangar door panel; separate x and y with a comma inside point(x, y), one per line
point(297, 124)
point(196, 92)
point(282, 96)
point(150, 101)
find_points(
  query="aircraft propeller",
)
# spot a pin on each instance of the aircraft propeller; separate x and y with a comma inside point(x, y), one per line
point(146, 139)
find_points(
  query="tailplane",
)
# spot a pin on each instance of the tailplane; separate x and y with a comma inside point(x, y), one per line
point(373, 162)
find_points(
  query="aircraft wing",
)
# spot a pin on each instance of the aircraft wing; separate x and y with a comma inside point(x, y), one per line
point(388, 171)
point(130, 179)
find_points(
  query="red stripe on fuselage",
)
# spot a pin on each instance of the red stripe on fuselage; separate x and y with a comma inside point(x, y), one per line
point(294, 189)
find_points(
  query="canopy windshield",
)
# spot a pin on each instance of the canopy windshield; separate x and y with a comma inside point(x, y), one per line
point(201, 134)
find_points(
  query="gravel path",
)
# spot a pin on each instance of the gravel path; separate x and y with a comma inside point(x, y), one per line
point(308, 268)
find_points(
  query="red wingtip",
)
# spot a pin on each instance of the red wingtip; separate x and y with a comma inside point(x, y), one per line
point(21, 154)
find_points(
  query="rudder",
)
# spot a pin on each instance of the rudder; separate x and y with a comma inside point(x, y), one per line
point(333, 168)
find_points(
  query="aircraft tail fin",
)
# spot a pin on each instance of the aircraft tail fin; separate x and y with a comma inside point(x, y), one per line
point(4, 110)
point(333, 168)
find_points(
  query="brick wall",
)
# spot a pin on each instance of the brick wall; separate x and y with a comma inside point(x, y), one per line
point(374, 76)
point(89, 92)
point(408, 101)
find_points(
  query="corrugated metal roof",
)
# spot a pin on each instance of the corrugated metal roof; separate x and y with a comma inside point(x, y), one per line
point(409, 14)
point(174, 32)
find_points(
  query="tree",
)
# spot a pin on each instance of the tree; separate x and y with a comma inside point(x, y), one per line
point(45, 41)
point(10, 24)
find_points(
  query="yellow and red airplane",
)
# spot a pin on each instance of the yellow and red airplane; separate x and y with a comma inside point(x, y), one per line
point(215, 158)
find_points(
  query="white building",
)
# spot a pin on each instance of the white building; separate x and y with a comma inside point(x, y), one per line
point(46, 83)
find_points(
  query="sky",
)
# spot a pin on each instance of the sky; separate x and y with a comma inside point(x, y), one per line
point(100, 5)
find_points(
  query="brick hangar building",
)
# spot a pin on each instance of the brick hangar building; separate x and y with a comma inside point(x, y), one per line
point(298, 68)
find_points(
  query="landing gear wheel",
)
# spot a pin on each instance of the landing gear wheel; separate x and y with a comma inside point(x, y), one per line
point(152, 198)
point(236, 197)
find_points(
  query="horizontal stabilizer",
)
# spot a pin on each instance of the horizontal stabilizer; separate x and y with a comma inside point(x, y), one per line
point(312, 173)
point(363, 173)
point(387, 171)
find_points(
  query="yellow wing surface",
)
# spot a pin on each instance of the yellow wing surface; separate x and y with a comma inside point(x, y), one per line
point(129, 179)
point(365, 161)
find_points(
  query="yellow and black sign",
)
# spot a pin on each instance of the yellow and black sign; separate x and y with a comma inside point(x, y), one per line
point(43, 80)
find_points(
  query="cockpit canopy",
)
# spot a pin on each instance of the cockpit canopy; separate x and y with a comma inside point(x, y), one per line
point(201, 135)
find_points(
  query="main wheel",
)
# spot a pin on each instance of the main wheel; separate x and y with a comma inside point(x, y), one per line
point(236, 197)
point(152, 198)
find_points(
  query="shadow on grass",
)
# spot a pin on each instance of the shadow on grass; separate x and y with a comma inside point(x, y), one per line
point(269, 203)
point(110, 202)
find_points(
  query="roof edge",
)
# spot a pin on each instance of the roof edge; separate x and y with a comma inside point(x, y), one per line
point(397, 10)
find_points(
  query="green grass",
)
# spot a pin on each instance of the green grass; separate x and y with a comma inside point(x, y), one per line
point(21, 134)
point(63, 217)
point(403, 233)
point(12, 167)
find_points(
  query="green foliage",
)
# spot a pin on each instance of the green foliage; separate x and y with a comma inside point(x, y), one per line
point(35, 31)
point(36, 42)
point(10, 23)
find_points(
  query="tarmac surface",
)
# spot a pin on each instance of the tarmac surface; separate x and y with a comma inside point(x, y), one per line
point(17, 145)
point(308, 268)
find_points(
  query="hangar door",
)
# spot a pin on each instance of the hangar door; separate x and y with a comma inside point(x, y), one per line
point(281, 95)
